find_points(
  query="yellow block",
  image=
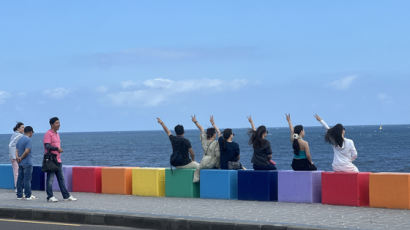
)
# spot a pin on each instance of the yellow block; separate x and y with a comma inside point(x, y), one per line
point(389, 190)
point(148, 182)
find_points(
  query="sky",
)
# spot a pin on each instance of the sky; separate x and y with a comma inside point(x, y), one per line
point(117, 65)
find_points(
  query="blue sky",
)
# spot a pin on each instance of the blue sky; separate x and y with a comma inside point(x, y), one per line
point(116, 65)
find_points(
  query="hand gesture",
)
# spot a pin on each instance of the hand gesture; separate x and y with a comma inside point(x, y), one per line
point(60, 150)
point(194, 119)
point(159, 120)
point(250, 119)
point(212, 120)
point(288, 117)
point(317, 117)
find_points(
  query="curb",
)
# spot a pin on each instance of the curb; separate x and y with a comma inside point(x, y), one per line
point(149, 222)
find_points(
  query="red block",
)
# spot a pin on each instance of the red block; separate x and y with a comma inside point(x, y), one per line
point(87, 179)
point(341, 188)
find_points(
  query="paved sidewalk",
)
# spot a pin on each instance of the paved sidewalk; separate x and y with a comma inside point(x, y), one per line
point(304, 216)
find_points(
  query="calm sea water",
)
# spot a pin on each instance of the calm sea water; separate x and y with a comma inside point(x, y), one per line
point(387, 150)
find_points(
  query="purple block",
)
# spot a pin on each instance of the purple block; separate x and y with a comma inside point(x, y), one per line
point(300, 186)
point(68, 178)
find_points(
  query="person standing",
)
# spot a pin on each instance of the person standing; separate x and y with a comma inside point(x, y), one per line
point(25, 161)
point(210, 146)
point(183, 155)
point(15, 137)
point(52, 144)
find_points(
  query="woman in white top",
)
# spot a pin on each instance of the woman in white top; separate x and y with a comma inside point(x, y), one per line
point(15, 137)
point(344, 150)
point(210, 146)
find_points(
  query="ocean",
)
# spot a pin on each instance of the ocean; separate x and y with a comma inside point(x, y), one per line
point(378, 151)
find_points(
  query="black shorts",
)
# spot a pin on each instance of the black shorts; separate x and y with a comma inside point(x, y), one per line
point(264, 167)
point(303, 165)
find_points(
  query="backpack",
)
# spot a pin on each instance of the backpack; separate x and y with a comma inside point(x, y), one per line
point(176, 159)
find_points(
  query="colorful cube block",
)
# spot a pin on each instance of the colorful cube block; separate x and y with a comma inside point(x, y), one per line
point(116, 180)
point(87, 179)
point(300, 186)
point(178, 183)
point(7, 177)
point(219, 184)
point(148, 182)
point(343, 188)
point(390, 190)
point(68, 179)
point(38, 179)
point(258, 185)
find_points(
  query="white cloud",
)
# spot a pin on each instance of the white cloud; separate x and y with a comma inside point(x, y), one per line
point(57, 93)
point(384, 98)
point(343, 83)
point(102, 89)
point(128, 84)
point(3, 96)
point(153, 92)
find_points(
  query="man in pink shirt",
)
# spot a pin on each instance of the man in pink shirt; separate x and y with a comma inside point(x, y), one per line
point(52, 144)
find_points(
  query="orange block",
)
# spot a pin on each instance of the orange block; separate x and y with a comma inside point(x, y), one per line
point(390, 190)
point(116, 180)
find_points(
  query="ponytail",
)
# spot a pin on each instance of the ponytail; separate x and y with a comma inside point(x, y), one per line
point(297, 130)
point(18, 125)
point(296, 147)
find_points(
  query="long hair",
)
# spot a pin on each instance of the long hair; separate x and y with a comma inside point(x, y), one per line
point(210, 132)
point(334, 135)
point(256, 139)
point(226, 134)
point(18, 125)
point(297, 130)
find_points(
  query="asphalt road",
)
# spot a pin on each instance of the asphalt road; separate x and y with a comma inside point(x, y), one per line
point(12, 224)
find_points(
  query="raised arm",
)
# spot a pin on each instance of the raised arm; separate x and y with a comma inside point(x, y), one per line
point(251, 122)
point(164, 126)
point(290, 126)
point(197, 123)
point(216, 127)
point(321, 121)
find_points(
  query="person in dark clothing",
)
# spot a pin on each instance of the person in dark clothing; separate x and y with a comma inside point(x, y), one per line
point(183, 155)
point(230, 153)
point(262, 151)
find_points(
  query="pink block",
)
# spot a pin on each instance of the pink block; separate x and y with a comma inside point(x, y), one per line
point(87, 179)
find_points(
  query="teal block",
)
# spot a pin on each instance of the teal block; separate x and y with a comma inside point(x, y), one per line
point(6, 176)
point(178, 183)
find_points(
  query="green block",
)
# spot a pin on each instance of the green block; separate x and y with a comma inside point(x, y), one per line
point(178, 183)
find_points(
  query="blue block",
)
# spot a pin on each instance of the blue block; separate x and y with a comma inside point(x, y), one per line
point(37, 181)
point(258, 185)
point(219, 184)
point(6, 176)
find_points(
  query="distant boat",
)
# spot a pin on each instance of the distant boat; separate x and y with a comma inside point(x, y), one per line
point(381, 128)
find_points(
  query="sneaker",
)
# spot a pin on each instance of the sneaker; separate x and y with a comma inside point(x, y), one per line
point(20, 198)
point(52, 199)
point(71, 198)
point(31, 198)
